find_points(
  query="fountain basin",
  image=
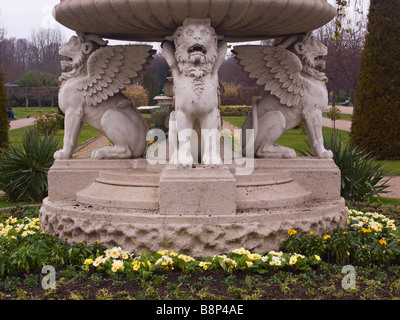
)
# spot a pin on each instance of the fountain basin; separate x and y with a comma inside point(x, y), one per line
point(152, 20)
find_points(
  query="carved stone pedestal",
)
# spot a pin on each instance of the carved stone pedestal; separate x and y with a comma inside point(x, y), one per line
point(200, 211)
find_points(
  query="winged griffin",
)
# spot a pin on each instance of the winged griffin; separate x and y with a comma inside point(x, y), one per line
point(295, 92)
point(91, 82)
point(195, 54)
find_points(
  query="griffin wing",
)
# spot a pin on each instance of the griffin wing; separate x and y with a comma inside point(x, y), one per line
point(110, 69)
point(275, 69)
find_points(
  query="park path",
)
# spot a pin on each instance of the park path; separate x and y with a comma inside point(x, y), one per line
point(20, 123)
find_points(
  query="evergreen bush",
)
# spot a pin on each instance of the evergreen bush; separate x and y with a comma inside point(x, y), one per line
point(376, 119)
point(362, 177)
point(23, 171)
point(4, 121)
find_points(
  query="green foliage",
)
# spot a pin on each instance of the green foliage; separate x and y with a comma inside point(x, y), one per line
point(369, 238)
point(36, 78)
point(48, 123)
point(23, 171)
point(152, 87)
point(334, 114)
point(24, 248)
point(362, 177)
point(4, 121)
point(158, 116)
point(376, 116)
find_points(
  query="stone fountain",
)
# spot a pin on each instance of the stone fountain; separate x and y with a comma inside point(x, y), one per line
point(192, 192)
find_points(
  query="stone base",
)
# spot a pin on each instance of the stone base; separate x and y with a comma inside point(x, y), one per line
point(197, 235)
point(199, 211)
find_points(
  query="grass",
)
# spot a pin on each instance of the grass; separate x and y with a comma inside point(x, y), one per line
point(15, 136)
point(22, 112)
point(343, 116)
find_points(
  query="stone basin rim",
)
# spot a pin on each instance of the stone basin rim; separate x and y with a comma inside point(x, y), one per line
point(152, 20)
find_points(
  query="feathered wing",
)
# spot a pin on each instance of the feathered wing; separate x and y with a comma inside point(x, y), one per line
point(275, 69)
point(110, 69)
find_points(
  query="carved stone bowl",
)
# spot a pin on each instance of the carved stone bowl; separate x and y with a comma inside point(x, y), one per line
point(152, 20)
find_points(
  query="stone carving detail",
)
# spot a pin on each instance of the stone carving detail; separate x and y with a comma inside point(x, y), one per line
point(195, 56)
point(295, 92)
point(93, 76)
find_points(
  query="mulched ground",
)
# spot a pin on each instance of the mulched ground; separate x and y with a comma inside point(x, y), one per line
point(212, 285)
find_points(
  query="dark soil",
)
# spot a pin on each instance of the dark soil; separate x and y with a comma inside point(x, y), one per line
point(211, 285)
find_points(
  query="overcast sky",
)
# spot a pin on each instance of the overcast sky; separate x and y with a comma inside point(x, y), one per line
point(21, 17)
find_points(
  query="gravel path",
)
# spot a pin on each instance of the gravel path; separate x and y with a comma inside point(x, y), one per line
point(23, 122)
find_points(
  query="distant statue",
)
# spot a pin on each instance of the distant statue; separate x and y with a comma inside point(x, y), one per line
point(195, 56)
point(295, 92)
point(93, 77)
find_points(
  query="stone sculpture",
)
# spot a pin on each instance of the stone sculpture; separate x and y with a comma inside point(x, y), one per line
point(195, 56)
point(91, 82)
point(295, 92)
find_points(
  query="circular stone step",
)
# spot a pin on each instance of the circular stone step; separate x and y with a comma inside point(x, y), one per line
point(200, 236)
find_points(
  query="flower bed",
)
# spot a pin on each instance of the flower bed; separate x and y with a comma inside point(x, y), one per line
point(306, 266)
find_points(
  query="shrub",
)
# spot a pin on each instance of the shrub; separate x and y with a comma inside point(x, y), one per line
point(362, 177)
point(158, 116)
point(334, 114)
point(26, 249)
point(137, 94)
point(4, 121)
point(23, 171)
point(370, 238)
point(375, 123)
point(49, 122)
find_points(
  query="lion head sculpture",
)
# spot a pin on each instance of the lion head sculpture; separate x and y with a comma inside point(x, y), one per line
point(310, 51)
point(76, 52)
point(196, 46)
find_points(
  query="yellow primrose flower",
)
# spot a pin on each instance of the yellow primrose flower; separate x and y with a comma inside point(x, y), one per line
point(163, 252)
point(98, 261)
point(88, 261)
point(293, 260)
point(249, 264)
point(292, 232)
point(383, 242)
point(204, 265)
point(124, 255)
point(254, 256)
point(117, 265)
point(317, 257)
point(185, 258)
point(327, 236)
point(136, 265)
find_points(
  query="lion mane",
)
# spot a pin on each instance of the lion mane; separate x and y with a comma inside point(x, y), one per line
point(195, 57)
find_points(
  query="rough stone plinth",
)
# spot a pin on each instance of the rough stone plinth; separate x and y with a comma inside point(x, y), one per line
point(90, 200)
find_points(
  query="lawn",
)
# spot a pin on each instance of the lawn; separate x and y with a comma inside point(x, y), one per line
point(22, 112)
point(15, 136)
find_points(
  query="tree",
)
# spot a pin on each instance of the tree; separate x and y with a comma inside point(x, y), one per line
point(375, 123)
point(4, 121)
point(36, 78)
point(152, 87)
